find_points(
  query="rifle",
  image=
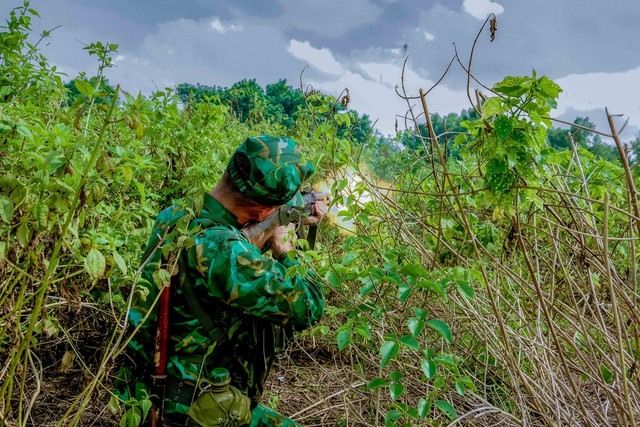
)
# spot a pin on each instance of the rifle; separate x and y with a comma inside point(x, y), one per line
point(159, 377)
point(259, 233)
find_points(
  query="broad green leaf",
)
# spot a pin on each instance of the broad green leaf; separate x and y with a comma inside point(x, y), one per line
point(84, 87)
point(415, 326)
point(363, 331)
point(24, 131)
point(428, 367)
point(122, 265)
point(446, 361)
point(332, 278)
point(162, 278)
point(375, 383)
point(395, 376)
point(95, 263)
point(410, 342)
point(403, 292)
point(466, 289)
point(6, 209)
point(113, 405)
point(466, 381)
point(607, 375)
point(320, 329)
point(395, 390)
point(3, 251)
point(440, 327)
point(460, 388)
point(145, 404)
point(421, 313)
point(366, 288)
point(391, 417)
point(343, 338)
point(491, 107)
point(503, 127)
point(388, 351)
point(23, 234)
point(447, 408)
point(413, 270)
point(423, 407)
point(131, 418)
point(349, 258)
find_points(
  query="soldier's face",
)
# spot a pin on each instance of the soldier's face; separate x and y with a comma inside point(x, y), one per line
point(255, 213)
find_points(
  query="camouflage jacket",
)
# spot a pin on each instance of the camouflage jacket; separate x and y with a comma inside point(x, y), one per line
point(253, 303)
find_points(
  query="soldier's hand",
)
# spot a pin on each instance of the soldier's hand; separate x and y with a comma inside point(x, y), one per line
point(320, 209)
point(282, 240)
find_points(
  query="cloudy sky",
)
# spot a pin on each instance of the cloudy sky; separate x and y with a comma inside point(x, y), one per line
point(591, 48)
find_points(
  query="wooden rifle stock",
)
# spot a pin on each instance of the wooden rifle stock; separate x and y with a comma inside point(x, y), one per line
point(159, 377)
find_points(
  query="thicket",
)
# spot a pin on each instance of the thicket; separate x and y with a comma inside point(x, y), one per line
point(493, 280)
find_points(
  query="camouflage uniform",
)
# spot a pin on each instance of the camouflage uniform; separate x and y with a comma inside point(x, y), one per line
point(249, 297)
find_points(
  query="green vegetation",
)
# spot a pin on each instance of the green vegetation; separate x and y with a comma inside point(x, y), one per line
point(492, 280)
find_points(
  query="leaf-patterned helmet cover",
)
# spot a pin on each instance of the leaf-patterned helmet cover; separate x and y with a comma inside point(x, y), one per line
point(269, 170)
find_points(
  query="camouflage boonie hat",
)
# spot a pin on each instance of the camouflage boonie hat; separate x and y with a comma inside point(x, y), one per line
point(269, 170)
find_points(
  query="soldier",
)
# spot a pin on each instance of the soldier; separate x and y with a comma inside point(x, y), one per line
point(233, 307)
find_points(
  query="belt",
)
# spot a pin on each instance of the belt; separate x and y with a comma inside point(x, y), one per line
point(180, 391)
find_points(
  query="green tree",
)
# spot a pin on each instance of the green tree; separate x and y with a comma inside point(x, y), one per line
point(106, 91)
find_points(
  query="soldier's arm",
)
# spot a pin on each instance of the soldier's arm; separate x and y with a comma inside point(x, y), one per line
point(237, 273)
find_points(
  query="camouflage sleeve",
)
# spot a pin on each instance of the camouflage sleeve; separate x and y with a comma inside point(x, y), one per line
point(237, 273)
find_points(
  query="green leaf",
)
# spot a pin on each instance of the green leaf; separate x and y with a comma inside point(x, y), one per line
point(84, 87)
point(391, 417)
point(607, 375)
point(344, 338)
point(349, 258)
point(332, 278)
point(440, 327)
point(447, 408)
point(3, 252)
point(395, 390)
point(122, 265)
point(491, 107)
point(145, 404)
point(113, 405)
point(503, 127)
point(161, 278)
point(95, 263)
point(375, 383)
point(388, 351)
point(410, 342)
point(131, 418)
point(24, 131)
point(466, 290)
point(423, 407)
point(395, 376)
point(363, 331)
point(403, 292)
point(415, 326)
point(446, 361)
point(466, 381)
point(6, 209)
point(428, 367)
point(460, 388)
point(413, 270)
point(23, 234)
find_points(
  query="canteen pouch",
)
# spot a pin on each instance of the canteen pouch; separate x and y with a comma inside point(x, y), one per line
point(229, 409)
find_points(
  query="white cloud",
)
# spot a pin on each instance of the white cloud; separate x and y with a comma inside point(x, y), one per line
point(428, 36)
point(481, 8)
point(220, 27)
point(321, 59)
point(619, 92)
